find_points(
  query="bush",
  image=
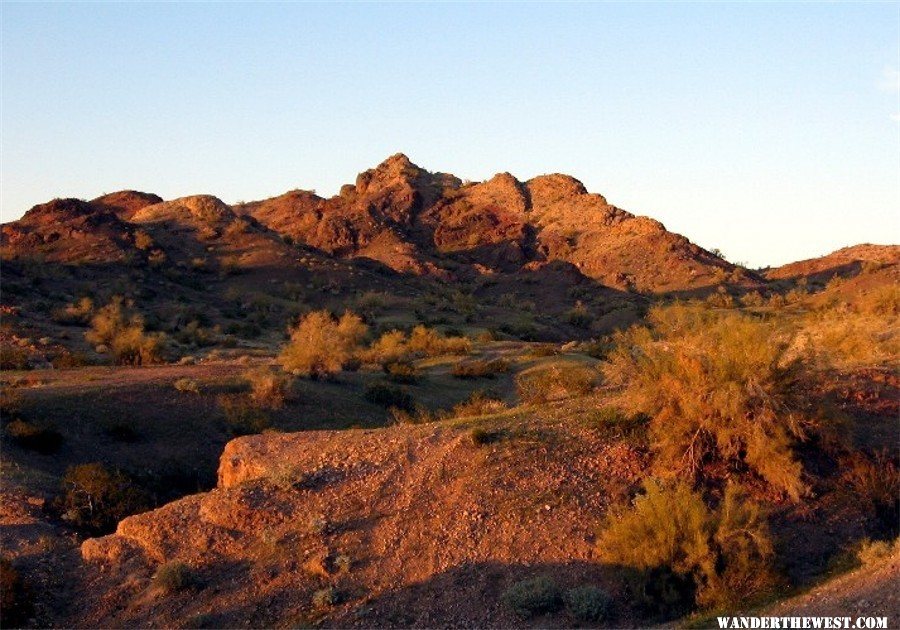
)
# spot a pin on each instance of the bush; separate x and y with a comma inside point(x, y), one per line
point(96, 498)
point(401, 372)
point(391, 347)
point(560, 380)
point(588, 603)
point(389, 396)
point(242, 415)
point(579, 316)
point(478, 403)
point(876, 479)
point(483, 437)
point(726, 555)
point(121, 332)
point(430, 343)
point(532, 597)
point(43, 440)
point(322, 345)
point(325, 598)
point(480, 369)
point(268, 389)
point(74, 314)
point(173, 577)
point(13, 357)
point(715, 385)
point(187, 385)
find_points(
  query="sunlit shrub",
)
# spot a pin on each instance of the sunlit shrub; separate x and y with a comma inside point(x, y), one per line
point(558, 380)
point(715, 385)
point(725, 554)
point(121, 331)
point(321, 345)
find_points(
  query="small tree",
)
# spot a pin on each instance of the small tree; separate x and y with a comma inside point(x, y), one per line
point(322, 345)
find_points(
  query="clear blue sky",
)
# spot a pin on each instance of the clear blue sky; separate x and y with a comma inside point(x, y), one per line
point(770, 131)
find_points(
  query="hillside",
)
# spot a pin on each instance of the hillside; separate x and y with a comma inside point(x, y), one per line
point(431, 403)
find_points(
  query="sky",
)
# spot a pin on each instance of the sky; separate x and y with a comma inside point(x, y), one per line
point(770, 131)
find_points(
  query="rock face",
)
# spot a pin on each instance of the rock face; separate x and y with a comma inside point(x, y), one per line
point(381, 515)
point(413, 221)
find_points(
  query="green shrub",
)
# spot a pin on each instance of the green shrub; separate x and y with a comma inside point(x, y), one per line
point(480, 369)
point(430, 343)
point(44, 440)
point(535, 596)
point(483, 437)
point(242, 415)
point(325, 598)
point(391, 347)
point(716, 385)
point(268, 389)
point(173, 577)
point(74, 314)
point(479, 403)
point(13, 357)
point(875, 479)
point(588, 603)
point(321, 345)
point(725, 555)
point(120, 331)
point(187, 385)
point(401, 372)
point(559, 380)
point(96, 498)
point(389, 396)
point(579, 316)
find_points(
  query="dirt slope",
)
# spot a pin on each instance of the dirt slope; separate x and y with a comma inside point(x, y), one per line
point(413, 508)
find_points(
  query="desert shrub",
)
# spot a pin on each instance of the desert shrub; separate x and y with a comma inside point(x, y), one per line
point(268, 389)
point(96, 498)
point(143, 241)
point(479, 403)
point(874, 552)
point(560, 380)
point(535, 596)
point(390, 347)
point(173, 577)
point(65, 360)
point(752, 299)
point(430, 343)
point(483, 437)
point(242, 415)
point(325, 598)
point(74, 314)
point(44, 440)
point(715, 385)
point(187, 385)
point(121, 332)
point(875, 479)
point(13, 357)
point(579, 316)
point(480, 368)
point(588, 603)
point(401, 372)
point(726, 555)
point(389, 396)
point(864, 333)
point(321, 345)
point(14, 600)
